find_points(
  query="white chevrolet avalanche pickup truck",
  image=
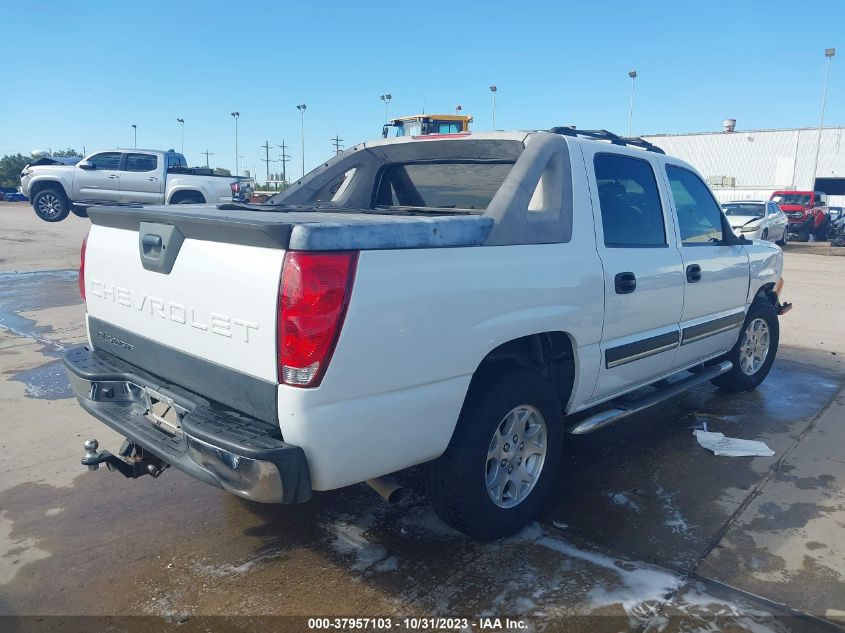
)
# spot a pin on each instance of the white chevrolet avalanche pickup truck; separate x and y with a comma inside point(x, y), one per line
point(129, 176)
point(459, 301)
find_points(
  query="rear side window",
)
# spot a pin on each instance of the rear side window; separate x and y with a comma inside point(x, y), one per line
point(141, 162)
point(176, 160)
point(631, 213)
point(699, 217)
point(106, 160)
point(446, 185)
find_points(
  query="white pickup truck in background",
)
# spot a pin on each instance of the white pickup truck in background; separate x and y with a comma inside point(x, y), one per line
point(461, 302)
point(136, 176)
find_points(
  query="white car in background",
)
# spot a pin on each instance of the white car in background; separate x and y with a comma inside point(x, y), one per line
point(757, 219)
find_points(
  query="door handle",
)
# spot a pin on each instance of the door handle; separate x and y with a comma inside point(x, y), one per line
point(693, 273)
point(152, 179)
point(625, 283)
point(113, 176)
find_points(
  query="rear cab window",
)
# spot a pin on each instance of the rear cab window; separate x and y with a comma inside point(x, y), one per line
point(699, 215)
point(464, 185)
point(631, 212)
point(140, 162)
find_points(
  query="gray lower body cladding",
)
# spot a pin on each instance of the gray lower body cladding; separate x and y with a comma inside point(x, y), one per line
point(253, 396)
point(217, 445)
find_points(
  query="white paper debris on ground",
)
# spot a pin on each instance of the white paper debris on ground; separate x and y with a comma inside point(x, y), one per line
point(732, 446)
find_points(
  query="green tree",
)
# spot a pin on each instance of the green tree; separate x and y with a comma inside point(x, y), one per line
point(222, 171)
point(67, 153)
point(11, 167)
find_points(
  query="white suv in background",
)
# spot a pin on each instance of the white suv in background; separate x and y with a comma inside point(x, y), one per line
point(757, 219)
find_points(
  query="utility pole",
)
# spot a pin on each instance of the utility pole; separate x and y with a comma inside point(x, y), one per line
point(284, 158)
point(135, 130)
point(236, 116)
point(386, 98)
point(829, 53)
point(337, 142)
point(267, 160)
point(207, 154)
point(633, 75)
point(301, 108)
point(494, 90)
point(181, 123)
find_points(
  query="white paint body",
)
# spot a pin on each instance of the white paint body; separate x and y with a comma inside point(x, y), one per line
point(420, 321)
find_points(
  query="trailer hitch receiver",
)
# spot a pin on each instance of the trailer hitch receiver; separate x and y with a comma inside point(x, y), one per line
point(131, 461)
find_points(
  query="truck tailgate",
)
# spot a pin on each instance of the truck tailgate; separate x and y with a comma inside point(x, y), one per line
point(214, 311)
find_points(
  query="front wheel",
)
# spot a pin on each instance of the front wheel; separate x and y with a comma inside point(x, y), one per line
point(755, 351)
point(783, 238)
point(502, 459)
point(51, 205)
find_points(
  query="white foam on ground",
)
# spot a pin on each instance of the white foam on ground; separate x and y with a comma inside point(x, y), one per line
point(349, 539)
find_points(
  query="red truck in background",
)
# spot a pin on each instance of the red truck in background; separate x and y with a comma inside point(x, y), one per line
point(807, 213)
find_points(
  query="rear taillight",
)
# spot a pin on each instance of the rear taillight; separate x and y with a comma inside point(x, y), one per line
point(313, 295)
point(236, 188)
point(82, 266)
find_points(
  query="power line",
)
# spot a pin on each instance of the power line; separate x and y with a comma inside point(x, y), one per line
point(337, 142)
point(207, 154)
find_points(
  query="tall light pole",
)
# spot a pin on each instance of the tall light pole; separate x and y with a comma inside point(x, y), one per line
point(386, 98)
point(494, 90)
point(182, 126)
point(829, 53)
point(633, 75)
point(301, 108)
point(135, 132)
point(236, 116)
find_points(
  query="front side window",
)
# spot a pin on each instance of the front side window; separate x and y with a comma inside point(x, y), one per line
point(106, 160)
point(699, 216)
point(447, 185)
point(140, 162)
point(631, 212)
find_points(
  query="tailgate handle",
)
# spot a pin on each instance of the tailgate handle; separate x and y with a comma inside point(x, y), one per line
point(158, 246)
point(151, 244)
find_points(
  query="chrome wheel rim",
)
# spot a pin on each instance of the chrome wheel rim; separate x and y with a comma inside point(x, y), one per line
point(49, 205)
point(516, 456)
point(755, 347)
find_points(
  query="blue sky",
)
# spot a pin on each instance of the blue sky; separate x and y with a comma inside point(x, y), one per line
point(80, 73)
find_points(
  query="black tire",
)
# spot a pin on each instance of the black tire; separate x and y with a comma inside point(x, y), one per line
point(456, 481)
point(79, 212)
point(783, 238)
point(736, 379)
point(804, 236)
point(51, 204)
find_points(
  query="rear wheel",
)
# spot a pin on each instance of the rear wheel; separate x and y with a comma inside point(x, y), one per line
point(823, 229)
point(502, 459)
point(783, 238)
point(755, 351)
point(51, 205)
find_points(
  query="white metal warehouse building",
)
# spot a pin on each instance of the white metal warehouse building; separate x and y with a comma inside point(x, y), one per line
point(751, 164)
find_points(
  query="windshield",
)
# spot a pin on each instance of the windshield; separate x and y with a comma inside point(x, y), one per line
point(792, 198)
point(444, 185)
point(754, 210)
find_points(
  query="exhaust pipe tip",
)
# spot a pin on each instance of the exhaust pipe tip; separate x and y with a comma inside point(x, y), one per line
point(388, 488)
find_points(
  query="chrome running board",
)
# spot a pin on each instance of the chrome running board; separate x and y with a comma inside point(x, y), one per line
point(619, 410)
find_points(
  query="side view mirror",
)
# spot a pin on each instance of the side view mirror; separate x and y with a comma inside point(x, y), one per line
point(86, 165)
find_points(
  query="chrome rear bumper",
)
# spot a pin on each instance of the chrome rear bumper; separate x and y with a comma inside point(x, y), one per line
point(222, 447)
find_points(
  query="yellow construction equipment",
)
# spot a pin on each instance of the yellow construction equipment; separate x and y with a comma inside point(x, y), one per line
point(424, 124)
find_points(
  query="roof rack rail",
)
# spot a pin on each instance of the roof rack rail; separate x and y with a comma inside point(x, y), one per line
point(604, 135)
